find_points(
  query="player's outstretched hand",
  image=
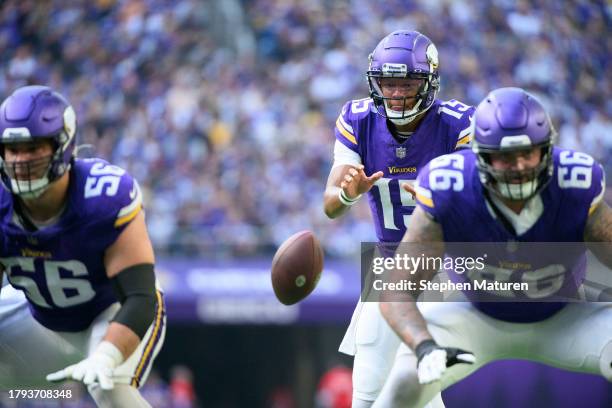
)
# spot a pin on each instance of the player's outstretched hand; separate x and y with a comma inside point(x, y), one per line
point(433, 360)
point(356, 182)
point(408, 187)
point(98, 367)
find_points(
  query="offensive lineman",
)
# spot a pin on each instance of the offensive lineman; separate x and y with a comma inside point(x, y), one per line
point(512, 187)
point(72, 238)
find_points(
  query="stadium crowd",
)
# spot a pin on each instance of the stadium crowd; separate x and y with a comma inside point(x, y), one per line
point(224, 111)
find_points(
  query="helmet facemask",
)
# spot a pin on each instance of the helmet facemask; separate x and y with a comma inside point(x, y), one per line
point(512, 121)
point(516, 185)
point(413, 105)
point(31, 178)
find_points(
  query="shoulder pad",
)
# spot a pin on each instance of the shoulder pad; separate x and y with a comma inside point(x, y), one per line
point(348, 121)
point(107, 191)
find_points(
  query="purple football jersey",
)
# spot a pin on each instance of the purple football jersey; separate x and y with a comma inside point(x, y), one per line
point(445, 128)
point(61, 267)
point(449, 189)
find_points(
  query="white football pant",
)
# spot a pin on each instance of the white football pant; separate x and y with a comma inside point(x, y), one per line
point(374, 344)
point(29, 351)
point(577, 338)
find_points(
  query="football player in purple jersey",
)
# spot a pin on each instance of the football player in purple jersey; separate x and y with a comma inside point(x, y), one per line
point(382, 141)
point(513, 186)
point(73, 239)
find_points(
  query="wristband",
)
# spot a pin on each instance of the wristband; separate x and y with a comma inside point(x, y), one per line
point(108, 349)
point(424, 348)
point(347, 201)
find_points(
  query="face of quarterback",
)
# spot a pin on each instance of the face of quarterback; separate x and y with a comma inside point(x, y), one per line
point(401, 91)
point(28, 160)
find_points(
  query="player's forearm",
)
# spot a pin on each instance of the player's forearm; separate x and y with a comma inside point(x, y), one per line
point(332, 205)
point(424, 238)
point(603, 252)
point(599, 232)
point(407, 321)
point(400, 308)
point(135, 289)
point(123, 338)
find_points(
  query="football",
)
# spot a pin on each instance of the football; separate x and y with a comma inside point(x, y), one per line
point(297, 267)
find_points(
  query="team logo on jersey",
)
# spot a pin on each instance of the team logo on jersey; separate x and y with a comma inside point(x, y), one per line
point(515, 265)
point(34, 253)
point(511, 246)
point(400, 152)
point(401, 170)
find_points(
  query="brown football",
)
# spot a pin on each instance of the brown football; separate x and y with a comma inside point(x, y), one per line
point(296, 267)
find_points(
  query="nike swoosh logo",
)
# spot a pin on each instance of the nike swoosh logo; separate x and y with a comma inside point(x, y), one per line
point(133, 192)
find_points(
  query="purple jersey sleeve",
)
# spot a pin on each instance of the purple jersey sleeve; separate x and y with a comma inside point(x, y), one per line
point(110, 199)
point(458, 117)
point(580, 182)
point(442, 175)
point(347, 127)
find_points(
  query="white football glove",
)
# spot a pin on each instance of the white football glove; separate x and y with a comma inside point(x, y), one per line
point(98, 367)
point(433, 360)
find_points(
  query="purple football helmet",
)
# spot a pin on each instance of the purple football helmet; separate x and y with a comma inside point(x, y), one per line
point(34, 113)
point(404, 54)
point(512, 120)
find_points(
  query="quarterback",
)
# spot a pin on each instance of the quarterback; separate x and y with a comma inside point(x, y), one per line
point(381, 142)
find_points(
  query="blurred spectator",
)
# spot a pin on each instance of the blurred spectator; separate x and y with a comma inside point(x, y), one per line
point(231, 135)
point(182, 392)
point(281, 397)
point(335, 389)
point(23, 64)
point(156, 391)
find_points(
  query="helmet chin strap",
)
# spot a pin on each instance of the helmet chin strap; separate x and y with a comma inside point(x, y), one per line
point(29, 189)
point(402, 122)
point(521, 191)
point(398, 118)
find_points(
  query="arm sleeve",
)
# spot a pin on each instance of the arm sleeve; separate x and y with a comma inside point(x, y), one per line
point(135, 290)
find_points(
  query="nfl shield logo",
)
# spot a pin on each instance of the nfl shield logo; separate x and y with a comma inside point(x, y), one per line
point(400, 152)
point(511, 246)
